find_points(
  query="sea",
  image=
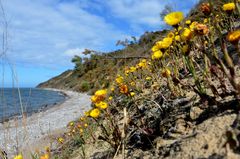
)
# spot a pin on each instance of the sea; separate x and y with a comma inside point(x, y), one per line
point(14, 102)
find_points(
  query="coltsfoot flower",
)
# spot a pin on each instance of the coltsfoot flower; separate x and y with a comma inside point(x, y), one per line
point(186, 34)
point(45, 156)
point(95, 113)
point(205, 8)
point(202, 29)
point(101, 93)
point(157, 55)
point(18, 157)
point(228, 7)
point(124, 89)
point(102, 105)
point(188, 22)
point(173, 18)
point(119, 79)
point(234, 36)
point(132, 94)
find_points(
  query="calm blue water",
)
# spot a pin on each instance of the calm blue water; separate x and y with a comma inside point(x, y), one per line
point(33, 100)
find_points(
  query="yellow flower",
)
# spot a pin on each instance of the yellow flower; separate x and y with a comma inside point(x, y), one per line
point(45, 156)
point(94, 99)
point(193, 25)
point(99, 96)
point(101, 93)
point(170, 35)
point(82, 118)
point(132, 94)
point(157, 55)
point(85, 125)
point(177, 38)
point(188, 22)
point(234, 36)
point(119, 79)
point(186, 34)
point(155, 47)
point(60, 140)
point(132, 69)
point(95, 113)
point(148, 78)
point(102, 105)
point(18, 157)
point(179, 28)
point(173, 18)
point(110, 98)
point(143, 63)
point(166, 73)
point(165, 43)
point(228, 7)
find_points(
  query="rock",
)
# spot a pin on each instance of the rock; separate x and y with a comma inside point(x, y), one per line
point(195, 112)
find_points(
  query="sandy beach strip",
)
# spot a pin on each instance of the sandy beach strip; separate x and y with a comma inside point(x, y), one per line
point(31, 133)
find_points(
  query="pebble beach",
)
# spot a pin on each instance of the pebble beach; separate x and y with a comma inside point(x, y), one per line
point(30, 133)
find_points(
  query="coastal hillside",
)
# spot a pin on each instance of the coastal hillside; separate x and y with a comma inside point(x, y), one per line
point(99, 69)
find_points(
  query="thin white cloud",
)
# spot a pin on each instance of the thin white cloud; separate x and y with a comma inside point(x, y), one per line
point(41, 31)
point(75, 51)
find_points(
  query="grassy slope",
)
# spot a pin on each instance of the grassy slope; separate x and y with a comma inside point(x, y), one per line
point(106, 66)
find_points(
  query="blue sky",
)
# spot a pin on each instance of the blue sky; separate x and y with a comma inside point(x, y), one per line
point(45, 34)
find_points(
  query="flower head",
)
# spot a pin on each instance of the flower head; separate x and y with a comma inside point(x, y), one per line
point(188, 22)
point(186, 34)
point(102, 105)
point(132, 94)
point(101, 93)
point(45, 156)
point(177, 38)
point(119, 79)
point(18, 157)
point(202, 29)
point(157, 55)
point(148, 78)
point(124, 89)
point(193, 25)
point(205, 8)
point(234, 36)
point(228, 7)
point(164, 44)
point(142, 63)
point(173, 18)
point(95, 113)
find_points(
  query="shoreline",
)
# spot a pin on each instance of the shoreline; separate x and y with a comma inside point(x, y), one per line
point(41, 109)
point(25, 134)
